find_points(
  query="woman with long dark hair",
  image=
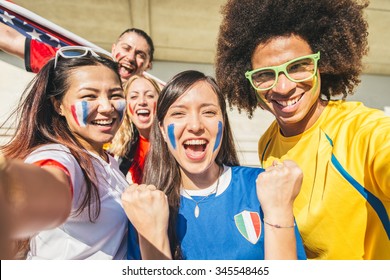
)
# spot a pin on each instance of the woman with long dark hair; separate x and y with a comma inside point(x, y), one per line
point(65, 196)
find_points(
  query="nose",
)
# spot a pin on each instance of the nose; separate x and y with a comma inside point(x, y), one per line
point(283, 84)
point(130, 55)
point(142, 100)
point(105, 106)
point(195, 124)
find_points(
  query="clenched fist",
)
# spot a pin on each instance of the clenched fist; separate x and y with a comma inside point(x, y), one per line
point(277, 188)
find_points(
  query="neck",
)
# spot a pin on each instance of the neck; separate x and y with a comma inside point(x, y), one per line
point(309, 120)
point(202, 180)
point(96, 149)
point(145, 133)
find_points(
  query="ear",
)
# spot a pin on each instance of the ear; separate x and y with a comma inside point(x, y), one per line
point(112, 50)
point(160, 125)
point(150, 66)
point(57, 106)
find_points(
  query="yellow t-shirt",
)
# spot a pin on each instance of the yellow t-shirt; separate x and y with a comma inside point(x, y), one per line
point(343, 208)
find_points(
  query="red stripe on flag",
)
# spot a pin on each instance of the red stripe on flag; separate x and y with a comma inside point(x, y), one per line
point(256, 223)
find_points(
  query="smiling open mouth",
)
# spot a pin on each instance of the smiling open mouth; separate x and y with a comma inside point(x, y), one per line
point(126, 70)
point(103, 122)
point(143, 112)
point(290, 102)
point(195, 145)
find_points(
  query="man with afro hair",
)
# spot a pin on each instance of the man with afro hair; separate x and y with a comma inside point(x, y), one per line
point(299, 60)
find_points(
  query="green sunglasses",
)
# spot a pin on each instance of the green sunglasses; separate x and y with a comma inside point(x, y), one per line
point(297, 70)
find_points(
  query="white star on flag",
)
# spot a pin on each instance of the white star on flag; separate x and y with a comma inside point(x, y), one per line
point(35, 35)
point(52, 38)
point(7, 17)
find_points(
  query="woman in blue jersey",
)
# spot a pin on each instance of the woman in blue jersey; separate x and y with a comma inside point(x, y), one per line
point(196, 202)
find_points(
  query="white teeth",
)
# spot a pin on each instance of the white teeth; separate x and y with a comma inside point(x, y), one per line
point(286, 103)
point(127, 66)
point(103, 122)
point(143, 111)
point(195, 142)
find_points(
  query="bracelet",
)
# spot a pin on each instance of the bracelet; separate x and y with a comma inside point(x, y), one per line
point(278, 226)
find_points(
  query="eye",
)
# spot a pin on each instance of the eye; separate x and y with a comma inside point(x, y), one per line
point(263, 76)
point(118, 95)
point(301, 65)
point(151, 96)
point(88, 96)
point(177, 114)
point(210, 113)
point(141, 55)
point(133, 96)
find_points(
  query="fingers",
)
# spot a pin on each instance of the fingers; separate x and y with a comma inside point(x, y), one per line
point(279, 184)
point(287, 165)
point(135, 191)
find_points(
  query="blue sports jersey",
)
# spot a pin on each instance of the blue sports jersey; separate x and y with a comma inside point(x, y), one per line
point(229, 226)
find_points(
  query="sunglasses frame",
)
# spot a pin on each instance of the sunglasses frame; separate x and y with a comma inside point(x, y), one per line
point(84, 52)
point(283, 68)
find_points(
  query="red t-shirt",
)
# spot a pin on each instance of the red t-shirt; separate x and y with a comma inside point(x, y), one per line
point(36, 54)
point(139, 160)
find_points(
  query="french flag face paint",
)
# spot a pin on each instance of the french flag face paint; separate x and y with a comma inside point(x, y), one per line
point(119, 56)
point(171, 135)
point(120, 107)
point(80, 112)
point(219, 136)
point(130, 109)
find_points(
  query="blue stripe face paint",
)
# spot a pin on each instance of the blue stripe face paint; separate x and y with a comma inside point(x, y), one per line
point(219, 136)
point(171, 135)
point(80, 111)
point(120, 106)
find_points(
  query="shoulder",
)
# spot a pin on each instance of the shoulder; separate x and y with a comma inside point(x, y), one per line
point(246, 171)
point(268, 134)
point(56, 152)
point(353, 110)
point(355, 116)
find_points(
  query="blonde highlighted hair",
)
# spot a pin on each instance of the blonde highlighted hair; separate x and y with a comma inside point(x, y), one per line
point(120, 144)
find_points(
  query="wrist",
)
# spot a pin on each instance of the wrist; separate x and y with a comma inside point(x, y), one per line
point(279, 225)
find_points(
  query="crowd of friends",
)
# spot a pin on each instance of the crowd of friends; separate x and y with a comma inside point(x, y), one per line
point(107, 163)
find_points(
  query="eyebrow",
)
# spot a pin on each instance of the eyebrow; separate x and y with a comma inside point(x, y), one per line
point(201, 106)
point(97, 90)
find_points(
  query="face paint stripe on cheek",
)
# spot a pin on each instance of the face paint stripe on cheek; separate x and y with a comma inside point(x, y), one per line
point(80, 113)
point(154, 107)
point(130, 109)
point(219, 136)
point(118, 56)
point(85, 109)
point(171, 135)
point(315, 81)
point(74, 114)
point(120, 107)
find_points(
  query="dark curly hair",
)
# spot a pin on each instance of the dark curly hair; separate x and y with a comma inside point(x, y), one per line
point(336, 28)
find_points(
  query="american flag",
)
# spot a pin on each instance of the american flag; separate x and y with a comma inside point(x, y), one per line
point(31, 29)
point(38, 28)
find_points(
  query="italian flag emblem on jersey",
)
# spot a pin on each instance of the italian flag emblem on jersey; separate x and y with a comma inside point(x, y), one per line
point(249, 225)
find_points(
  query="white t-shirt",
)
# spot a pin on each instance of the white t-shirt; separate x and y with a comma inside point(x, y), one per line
point(78, 238)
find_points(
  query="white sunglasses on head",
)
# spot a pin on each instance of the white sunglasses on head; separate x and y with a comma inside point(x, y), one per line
point(78, 51)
